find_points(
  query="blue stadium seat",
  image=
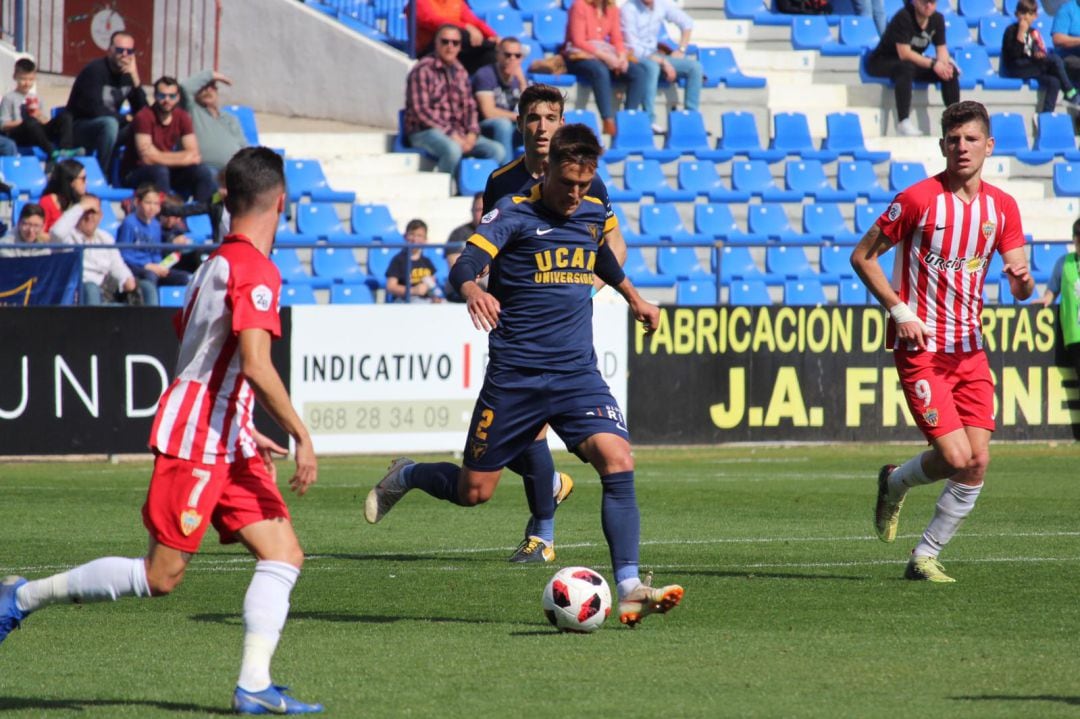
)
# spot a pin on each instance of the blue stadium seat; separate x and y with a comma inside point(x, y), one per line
point(745, 9)
point(853, 292)
point(171, 296)
point(787, 263)
point(825, 220)
point(975, 10)
point(810, 32)
point(1044, 255)
point(549, 29)
point(483, 7)
point(1044, 24)
point(903, 175)
point(680, 263)
point(634, 136)
point(867, 215)
point(373, 223)
point(401, 140)
point(640, 273)
point(702, 179)
point(857, 32)
point(749, 293)
point(718, 64)
point(96, 184)
point(771, 221)
point(755, 178)
point(530, 8)
point(584, 117)
point(616, 193)
point(804, 292)
point(737, 263)
point(1056, 135)
point(741, 137)
point(687, 134)
point(336, 263)
point(305, 178)
point(845, 136)
point(957, 34)
point(647, 177)
point(1010, 139)
point(1005, 295)
point(292, 268)
point(506, 22)
point(246, 116)
point(286, 235)
point(859, 177)
point(808, 178)
point(351, 295)
point(320, 219)
point(991, 32)
point(696, 292)
point(472, 175)
point(377, 262)
point(297, 295)
point(664, 222)
point(25, 174)
point(791, 133)
point(975, 68)
point(199, 228)
point(632, 237)
point(716, 221)
point(834, 263)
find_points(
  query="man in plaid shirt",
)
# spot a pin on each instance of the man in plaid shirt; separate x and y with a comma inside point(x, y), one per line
point(440, 111)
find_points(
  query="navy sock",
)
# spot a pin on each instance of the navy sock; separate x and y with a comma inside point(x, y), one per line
point(439, 479)
point(621, 521)
point(537, 469)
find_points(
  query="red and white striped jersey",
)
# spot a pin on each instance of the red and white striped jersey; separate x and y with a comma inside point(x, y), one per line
point(206, 413)
point(944, 247)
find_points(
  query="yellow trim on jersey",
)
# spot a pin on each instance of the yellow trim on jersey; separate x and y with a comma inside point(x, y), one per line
point(507, 167)
point(482, 242)
point(590, 198)
point(610, 224)
point(533, 196)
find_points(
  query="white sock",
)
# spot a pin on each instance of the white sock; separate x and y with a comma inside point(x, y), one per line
point(956, 502)
point(627, 585)
point(266, 606)
point(105, 579)
point(556, 484)
point(909, 474)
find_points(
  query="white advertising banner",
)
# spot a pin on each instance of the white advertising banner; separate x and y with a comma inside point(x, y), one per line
point(403, 378)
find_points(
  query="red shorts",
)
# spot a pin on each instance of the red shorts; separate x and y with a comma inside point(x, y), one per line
point(184, 494)
point(947, 391)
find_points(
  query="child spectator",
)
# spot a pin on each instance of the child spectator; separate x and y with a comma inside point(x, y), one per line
point(1024, 55)
point(141, 228)
point(24, 120)
point(419, 279)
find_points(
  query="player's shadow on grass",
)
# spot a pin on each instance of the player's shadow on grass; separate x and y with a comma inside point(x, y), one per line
point(237, 620)
point(478, 557)
point(769, 575)
point(1072, 701)
point(32, 703)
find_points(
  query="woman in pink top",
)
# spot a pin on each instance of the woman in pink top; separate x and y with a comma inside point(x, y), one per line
point(595, 53)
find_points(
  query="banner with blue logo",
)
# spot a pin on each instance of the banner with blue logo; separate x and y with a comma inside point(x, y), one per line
point(54, 279)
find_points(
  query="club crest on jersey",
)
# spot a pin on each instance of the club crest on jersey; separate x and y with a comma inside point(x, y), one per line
point(894, 211)
point(930, 416)
point(262, 296)
point(189, 521)
point(476, 449)
point(988, 229)
point(489, 217)
point(594, 230)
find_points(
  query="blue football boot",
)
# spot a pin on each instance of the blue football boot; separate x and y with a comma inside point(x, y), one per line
point(272, 700)
point(10, 616)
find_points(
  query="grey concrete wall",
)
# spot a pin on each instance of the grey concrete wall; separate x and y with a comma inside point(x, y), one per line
point(288, 59)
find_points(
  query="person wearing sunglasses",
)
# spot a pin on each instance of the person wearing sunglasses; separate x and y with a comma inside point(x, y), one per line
point(440, 110)
point(478, 38)
point(497, 88)
point(219, 133)
point(166, 150)
point(99, 94)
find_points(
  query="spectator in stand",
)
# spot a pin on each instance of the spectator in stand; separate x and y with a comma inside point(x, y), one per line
point(67, 183)
point(1065, 32)
point(497, 88)
point(455, 244)
point(411, 271)
point(141, 228)
point(219, 133)
point(106, 279)
point(1065, 283)
point(479, 39)
point(1024, 55)
point(166, 151)
point(30, 230)
point(97, 98)
point(642, 21)
point(440, 110)
point(24, 120)
point(596, 55)
point(900, 57)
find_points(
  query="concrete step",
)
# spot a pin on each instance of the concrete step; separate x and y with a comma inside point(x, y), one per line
point(326, 145)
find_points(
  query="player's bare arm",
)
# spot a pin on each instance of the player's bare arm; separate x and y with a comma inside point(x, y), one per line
point(1016, 269)
point(864, 260)
point(265, 381)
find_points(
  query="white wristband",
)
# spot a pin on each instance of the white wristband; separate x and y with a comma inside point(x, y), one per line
point(901, 313)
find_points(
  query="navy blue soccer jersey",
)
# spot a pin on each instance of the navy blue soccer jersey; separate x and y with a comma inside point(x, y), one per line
point(514, 178)
point(542, 274)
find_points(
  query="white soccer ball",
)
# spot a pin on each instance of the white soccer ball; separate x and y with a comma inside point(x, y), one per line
point(577, 599)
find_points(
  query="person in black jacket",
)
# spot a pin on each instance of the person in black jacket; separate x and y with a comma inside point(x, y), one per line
point(99, 93)
point(900, 57)
point(1024, 55)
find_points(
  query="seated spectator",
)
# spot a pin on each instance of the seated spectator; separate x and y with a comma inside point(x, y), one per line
point(219, 133)
point(174, 228)
point(166, 151)
point(641, 24)
point(67, 183)
point(141, 228)
point(24, 120)
point(595, 54)
point(99, 94)
point(479, 39)
point(1024, 55)
point(900, 57)
point(455, 243)
point(106, 279)
point(419, 278)
point(29, 230)
point(497, 88)
point(1065, 33)
point(440, 110)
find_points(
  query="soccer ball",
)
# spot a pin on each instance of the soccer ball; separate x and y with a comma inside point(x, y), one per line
point(577, 599)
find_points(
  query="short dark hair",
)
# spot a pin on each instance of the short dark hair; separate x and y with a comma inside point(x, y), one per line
point(145, 189)
point(961, 113)
point(576, 144)
point(1026, 7)
point(31, 209)
point(452, 26)
point(168, 80)
point(1076, 228)
point(540, 93)
point(252, 175)
point(25, 65)
point(509, 40)
point(415, 225)
point(118, 33)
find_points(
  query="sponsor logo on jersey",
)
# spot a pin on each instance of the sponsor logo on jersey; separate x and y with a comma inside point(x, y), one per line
point(489, 217)
point(262, 296)
point(894, 211)
point(930, 416)
point(189, 521)
point(935, 261)
point(543, 231)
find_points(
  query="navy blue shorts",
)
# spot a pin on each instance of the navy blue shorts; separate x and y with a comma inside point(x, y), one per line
point(515, 404)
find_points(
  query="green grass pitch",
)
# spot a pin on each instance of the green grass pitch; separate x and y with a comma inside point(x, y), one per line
point(792, 608)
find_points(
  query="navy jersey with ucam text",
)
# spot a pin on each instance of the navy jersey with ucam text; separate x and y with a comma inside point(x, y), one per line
point(514, 178)
point(542, 274)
